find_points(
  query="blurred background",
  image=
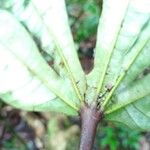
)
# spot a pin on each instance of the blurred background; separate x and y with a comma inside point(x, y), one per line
point(21, 130)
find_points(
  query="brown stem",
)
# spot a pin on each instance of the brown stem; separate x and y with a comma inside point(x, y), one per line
point(90, 117)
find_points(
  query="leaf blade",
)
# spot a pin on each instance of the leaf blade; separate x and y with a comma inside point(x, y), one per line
point(20, 46)
point(106, 40)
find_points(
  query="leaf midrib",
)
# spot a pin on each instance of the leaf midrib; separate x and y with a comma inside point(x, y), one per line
point(77, 91)
point(121, 77)
point(57, 93)
point(119, 106)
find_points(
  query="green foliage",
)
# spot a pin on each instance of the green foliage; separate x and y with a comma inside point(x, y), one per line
point(118, 137)
point(13, 144)
point(121, 56)
point(116, 84)
point(84, 18)
point(53, 76)
point(109, 139)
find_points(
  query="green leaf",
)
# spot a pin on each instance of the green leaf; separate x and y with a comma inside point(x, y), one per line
point(121, 56)
point(117, 82)
point(132, 28)
point(136, 115)
point(130, 60)
point(131, 106)
point(108, 29)
point(118, 49)
point(23, 71)
point(52, 28)
point(133, 92)
point(135, 71)
point(22, 89)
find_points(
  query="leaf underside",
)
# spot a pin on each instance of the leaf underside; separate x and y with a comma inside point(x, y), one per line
point(121, 57)
point(118, 81)
point(36, 18)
